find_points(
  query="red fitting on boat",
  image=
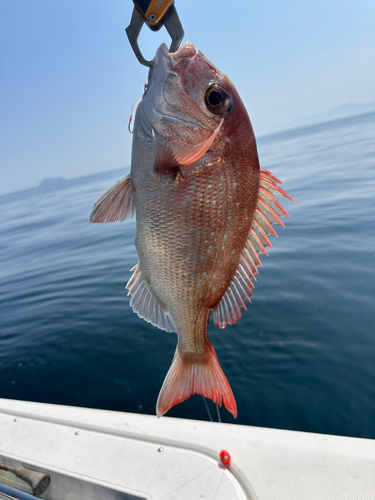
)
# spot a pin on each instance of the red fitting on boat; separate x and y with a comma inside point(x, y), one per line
point(225, 457)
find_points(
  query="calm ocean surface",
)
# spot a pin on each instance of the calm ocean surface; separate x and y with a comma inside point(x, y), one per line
point(302, 357)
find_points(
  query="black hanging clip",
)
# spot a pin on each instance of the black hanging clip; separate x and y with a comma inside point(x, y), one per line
point(156, 14)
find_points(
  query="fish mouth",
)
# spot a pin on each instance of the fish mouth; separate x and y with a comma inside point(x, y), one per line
point(165, 63)
point(157, 103)
point(185, 51)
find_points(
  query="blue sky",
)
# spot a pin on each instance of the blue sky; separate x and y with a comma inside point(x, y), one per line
point(68, 76)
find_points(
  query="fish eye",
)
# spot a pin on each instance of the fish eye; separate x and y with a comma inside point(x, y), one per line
point(217, 99)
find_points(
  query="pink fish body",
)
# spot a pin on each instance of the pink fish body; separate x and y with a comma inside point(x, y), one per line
point(204, 211)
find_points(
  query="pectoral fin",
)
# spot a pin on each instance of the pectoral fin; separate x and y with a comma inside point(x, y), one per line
point(115, 204)
point(176, 153)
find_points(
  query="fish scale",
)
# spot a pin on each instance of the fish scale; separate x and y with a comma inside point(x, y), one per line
point(204, 211)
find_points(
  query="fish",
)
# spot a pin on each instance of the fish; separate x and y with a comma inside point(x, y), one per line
point(204, 210)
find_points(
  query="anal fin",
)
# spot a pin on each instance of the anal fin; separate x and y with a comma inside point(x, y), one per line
point(144, 304)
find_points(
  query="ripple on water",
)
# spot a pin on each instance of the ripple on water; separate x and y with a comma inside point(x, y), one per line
point(303, 355)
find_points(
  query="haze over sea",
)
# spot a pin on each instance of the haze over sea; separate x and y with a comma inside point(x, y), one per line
point(302, 357)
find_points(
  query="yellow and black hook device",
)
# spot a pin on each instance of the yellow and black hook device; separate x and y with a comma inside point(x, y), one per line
point(155, 13)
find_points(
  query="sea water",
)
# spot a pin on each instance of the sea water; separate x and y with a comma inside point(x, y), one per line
point(302, 357)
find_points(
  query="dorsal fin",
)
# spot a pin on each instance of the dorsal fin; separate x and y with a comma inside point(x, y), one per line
point(268, 212)
point(115, 204)
point(144, 304)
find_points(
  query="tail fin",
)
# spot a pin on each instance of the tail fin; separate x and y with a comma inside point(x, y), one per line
point(192, 374)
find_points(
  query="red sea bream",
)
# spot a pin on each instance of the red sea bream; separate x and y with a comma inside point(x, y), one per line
point(204, 211)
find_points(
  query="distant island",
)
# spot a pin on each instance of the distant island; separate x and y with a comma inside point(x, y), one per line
point(52, 181)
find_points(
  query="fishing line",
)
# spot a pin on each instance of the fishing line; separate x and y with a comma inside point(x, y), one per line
point(225, 457)
point(131, 115)
point(131, 112)
point(218, 412)
point(207, 408)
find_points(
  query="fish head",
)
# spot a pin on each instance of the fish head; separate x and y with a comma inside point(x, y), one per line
point(188, 97)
